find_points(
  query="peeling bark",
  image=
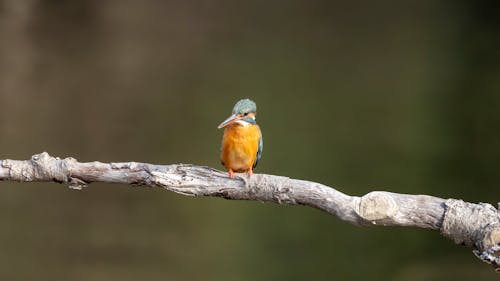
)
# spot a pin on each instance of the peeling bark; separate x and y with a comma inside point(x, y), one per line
point(474, 225)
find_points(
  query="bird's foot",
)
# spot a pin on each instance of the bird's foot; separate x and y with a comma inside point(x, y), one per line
point(249, 172)
point(231, 173)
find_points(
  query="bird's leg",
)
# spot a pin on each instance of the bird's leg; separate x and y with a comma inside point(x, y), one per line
point(231, 173)
point(249, 171)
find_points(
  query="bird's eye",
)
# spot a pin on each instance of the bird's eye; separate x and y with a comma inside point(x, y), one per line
point(245, 114)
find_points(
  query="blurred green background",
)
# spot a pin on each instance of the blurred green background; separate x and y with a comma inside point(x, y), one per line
point(360, 95)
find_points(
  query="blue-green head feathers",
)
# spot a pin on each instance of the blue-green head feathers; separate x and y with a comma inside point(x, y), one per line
point(244, 106)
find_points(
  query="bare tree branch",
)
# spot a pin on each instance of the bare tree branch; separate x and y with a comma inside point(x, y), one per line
point(473, 225)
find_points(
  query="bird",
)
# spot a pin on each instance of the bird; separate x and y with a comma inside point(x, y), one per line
point(242, 144)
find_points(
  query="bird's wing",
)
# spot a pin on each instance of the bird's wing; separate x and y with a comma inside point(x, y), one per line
point(259, 151)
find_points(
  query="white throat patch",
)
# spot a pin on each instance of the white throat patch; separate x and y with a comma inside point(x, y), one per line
point(243, 123)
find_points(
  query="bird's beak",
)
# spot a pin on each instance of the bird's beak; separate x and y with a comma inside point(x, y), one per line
point(230, 120)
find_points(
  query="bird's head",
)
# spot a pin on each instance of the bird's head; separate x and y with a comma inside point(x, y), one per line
point(244, 112)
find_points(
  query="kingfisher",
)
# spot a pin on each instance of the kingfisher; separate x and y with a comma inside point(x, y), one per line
point(241, 146)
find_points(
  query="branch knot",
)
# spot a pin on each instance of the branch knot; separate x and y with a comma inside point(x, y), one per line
point(49, 167)
point(377, 206)
point(473, 225)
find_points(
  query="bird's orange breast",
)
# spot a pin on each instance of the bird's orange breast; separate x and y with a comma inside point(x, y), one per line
point(239, 146)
